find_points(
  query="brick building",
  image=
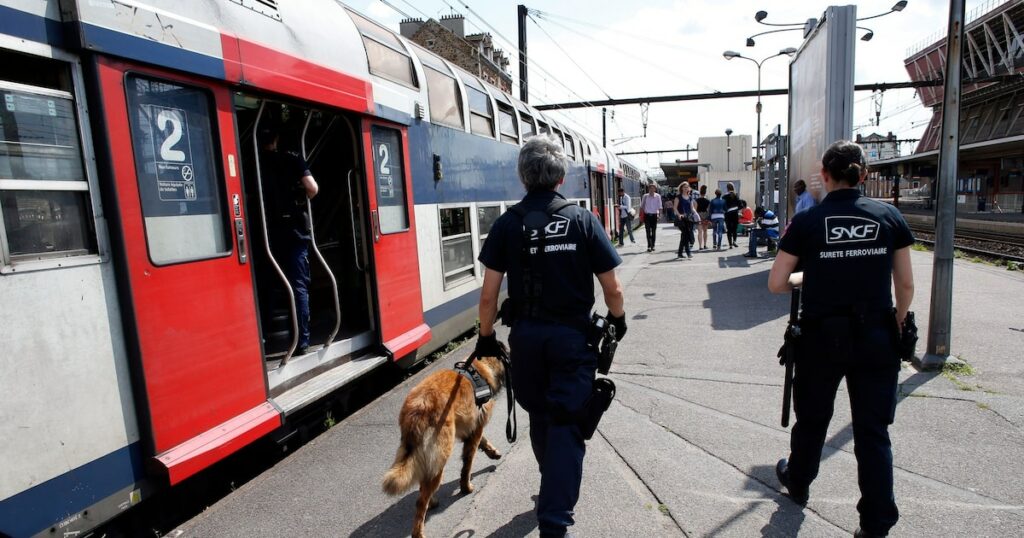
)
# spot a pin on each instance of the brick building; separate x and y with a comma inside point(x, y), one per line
point(475, 53)
point(878, 147)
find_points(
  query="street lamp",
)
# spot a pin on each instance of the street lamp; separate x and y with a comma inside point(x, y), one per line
point(728, 149)
point(810, 24)
point(729, 54)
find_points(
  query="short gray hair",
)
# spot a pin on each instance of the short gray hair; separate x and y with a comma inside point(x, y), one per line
point(541, 163)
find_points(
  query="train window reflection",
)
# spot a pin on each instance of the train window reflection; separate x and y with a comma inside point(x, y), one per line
point(457, 261)
point(385, 54)
point(44, 193)
point(46, 223)
point(507, 124)
point(443, 96)
point(180, 185)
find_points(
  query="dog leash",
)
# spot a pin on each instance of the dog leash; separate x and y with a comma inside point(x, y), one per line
point(511, 425)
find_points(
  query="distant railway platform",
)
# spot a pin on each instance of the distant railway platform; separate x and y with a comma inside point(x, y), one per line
point(689, 445)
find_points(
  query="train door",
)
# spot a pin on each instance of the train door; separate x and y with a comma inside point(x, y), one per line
point(180, 225)
point(392, 221)
point(336, 262)
point(597, 196)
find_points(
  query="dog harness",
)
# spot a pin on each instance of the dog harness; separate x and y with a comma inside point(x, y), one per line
point(481, 389)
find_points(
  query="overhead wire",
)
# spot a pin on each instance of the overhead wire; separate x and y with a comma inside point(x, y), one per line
point(661, 67)
point(400, 12)
point(569, 56)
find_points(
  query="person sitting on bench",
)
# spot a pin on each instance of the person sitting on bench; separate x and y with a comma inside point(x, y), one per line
point(767, 228)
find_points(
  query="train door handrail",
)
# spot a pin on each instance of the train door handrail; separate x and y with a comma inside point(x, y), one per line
point(266, 238)
point(351, 199)
point(312, 236)
point(352, 216)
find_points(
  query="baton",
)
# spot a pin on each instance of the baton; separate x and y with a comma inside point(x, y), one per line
point(792, 332)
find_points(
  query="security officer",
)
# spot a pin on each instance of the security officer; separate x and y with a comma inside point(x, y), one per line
point(850, 248)
point(289, 184)
point(551, 250)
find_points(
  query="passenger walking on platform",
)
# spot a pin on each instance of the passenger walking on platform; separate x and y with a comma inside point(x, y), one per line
point(650, 204)
point(551, 293)
point(625, 217)
point(804, 199)
point(716, 214)
point(686, 214)
point(852, 250)
point(702, 209)
point(732, 213)
point(288, 224)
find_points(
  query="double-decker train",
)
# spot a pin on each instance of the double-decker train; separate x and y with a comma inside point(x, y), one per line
point(146, 328)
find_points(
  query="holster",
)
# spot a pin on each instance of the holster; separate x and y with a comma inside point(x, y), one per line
point(507, 312)
point(600, 399)
point(906, 345)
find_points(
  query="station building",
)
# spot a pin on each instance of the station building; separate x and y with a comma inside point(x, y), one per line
point(991, 167)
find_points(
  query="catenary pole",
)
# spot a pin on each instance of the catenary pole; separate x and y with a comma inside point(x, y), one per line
point(940, 316)
point(524, 95)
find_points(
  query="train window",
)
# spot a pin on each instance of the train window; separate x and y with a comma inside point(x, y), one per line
point(507, 124)
point(486, 215)
point(481, 113)
point(180, 185)
point(456, 246)
point(570, 148)
point(443, 96)
point(385, 54)
point(44, 197)
point(526, 126)
point(543, 128)
point(389, 169)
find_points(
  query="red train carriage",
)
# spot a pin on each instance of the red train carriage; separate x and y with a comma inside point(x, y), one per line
point(148, 331)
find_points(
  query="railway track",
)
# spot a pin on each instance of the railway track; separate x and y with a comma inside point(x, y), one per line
point(989, 245)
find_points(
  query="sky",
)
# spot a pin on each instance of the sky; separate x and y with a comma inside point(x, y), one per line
point(582, 50)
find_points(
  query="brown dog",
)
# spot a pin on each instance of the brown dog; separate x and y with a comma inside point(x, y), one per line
point(438, 411)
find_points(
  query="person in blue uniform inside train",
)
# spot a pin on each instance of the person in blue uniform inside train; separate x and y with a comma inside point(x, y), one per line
point(853, 251)
point(289, 185)
point(551, 249)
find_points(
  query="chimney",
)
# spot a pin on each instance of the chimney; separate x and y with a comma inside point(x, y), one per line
point(408, 27)
point(455, 23)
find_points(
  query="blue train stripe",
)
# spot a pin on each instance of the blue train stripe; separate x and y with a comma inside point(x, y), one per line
point(37, 508)
point(31, 27)
point(103, 40)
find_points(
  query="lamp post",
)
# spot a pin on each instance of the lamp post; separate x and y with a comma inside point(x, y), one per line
point(757, 163)
point(728, 149)
point(809, 25)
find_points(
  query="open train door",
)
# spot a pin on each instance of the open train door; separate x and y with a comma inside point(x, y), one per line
point(182, 240)
point(393, 223)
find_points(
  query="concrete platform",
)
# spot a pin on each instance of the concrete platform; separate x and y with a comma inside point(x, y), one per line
point(689, 445)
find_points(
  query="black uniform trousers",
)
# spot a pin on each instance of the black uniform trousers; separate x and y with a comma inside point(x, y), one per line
point(553, 374)
point(732, 225)
point(865, 355)
point(651, 227)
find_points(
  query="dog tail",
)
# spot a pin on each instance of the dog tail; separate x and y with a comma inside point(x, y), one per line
point(400, 476)
point(406, 468)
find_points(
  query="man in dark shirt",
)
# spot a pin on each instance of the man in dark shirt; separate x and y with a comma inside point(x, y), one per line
point(551, 249)
point(289, 185)
point(732, 214)
point(851, 249)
